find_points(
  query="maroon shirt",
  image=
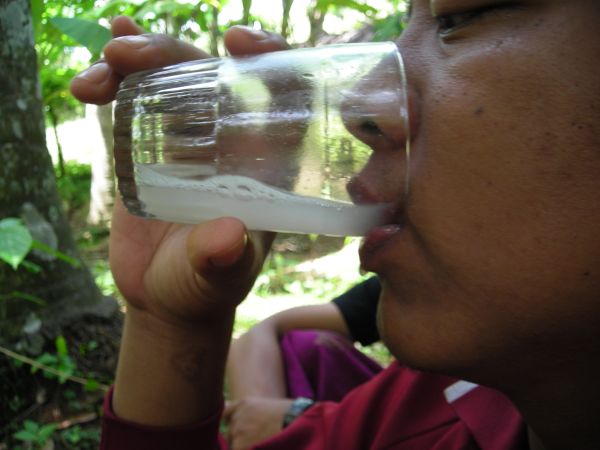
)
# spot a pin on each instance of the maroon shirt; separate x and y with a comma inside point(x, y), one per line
point(399, 409)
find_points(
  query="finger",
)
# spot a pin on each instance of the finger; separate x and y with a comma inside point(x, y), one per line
point(128, 54)
point(123, 26)
point(96, 84)
point(223, 262)
point(221, 253)
point(240, 40)
point(218, 244)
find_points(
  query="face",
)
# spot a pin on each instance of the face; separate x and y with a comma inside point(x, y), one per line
point(493, 267)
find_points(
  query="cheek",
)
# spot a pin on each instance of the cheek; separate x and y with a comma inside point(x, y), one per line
point(499, 183)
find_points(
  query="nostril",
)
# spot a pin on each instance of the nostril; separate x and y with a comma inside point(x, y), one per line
point(370, 127)
point(359, 192)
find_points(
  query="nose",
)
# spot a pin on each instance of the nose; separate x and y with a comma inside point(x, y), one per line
point(376, 112)
point(377, 116)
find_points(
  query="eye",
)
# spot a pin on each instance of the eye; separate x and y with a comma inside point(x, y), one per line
point(451, 22)
point(448, 23)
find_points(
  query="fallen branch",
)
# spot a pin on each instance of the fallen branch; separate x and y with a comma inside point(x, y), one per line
point(58, 373)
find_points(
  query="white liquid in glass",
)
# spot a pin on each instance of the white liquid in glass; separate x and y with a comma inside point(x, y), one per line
point(259, 206)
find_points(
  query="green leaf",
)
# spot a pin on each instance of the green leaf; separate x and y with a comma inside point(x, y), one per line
point(23, 296)
point(31, 267)
point(15, 241)
point(201, 19)
point(91, 385)
point(31, 425)
point(37, 245)
point(46, 431)
point(85, 32)
point(23, 435)
point(61, 346)
point(390, 28)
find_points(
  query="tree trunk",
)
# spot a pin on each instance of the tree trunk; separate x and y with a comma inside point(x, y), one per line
point(28, 187)
point(215, 34)
point(102, 192)
point(316, 17)
point(285, 20)
point(246, 5)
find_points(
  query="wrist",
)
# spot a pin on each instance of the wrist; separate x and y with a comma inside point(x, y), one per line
point(296, 409)
point(165, 329)
point(169, 374)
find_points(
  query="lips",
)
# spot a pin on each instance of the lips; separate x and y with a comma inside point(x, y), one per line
point(374, 242)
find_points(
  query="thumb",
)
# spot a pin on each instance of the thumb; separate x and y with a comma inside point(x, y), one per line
point(224, 260)
point(218, 244)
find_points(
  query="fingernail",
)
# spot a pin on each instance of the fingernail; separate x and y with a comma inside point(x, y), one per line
point(137, 42)
point(96, 73)
point(257, 34)
point(231, 256)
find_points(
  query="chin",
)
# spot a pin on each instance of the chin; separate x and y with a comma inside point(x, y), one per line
point(421, 334)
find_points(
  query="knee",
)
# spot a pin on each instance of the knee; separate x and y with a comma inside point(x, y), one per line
point(309, 345)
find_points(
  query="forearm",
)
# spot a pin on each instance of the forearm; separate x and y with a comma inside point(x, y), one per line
point(255, 365)
point(168, 375)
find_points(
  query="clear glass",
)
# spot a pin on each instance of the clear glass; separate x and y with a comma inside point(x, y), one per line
point(276, 139)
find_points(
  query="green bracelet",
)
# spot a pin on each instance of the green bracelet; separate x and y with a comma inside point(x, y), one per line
point(298, 406)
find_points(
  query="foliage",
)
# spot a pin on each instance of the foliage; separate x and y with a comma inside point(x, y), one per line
point(377, 351)
point(74, 189)
point(35, 434)
point(389, 28)
point(57, 63)
point(16, 242)
point(104, 278)
point(74, 185)
point(280, 276)
point(85, 32)
point(58, 365)
point(70, 402)
point(60, 27)
point(76, 437)
point(243, 324)
point(61, 362)
point(363, 7)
